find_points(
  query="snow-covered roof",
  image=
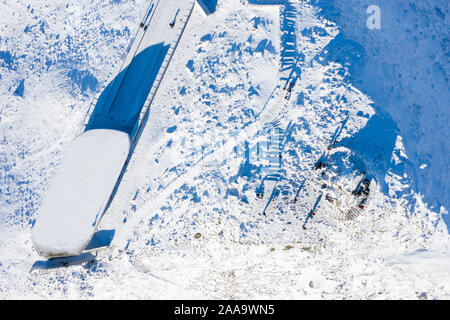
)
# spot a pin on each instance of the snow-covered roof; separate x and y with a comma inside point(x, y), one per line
point(79, 192)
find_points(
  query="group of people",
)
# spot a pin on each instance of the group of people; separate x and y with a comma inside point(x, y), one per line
point(290, 84)
point(363, 191)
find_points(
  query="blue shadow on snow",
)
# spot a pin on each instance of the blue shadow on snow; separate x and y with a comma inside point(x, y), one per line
point(101, 239)
point(120, 104)
point(54, 263)
point(209, 6)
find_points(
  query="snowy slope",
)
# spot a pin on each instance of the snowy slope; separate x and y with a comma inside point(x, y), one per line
point(186, 217)
point(404, 68)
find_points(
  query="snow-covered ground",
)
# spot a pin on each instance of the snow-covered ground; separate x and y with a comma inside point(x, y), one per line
point(186, 217)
